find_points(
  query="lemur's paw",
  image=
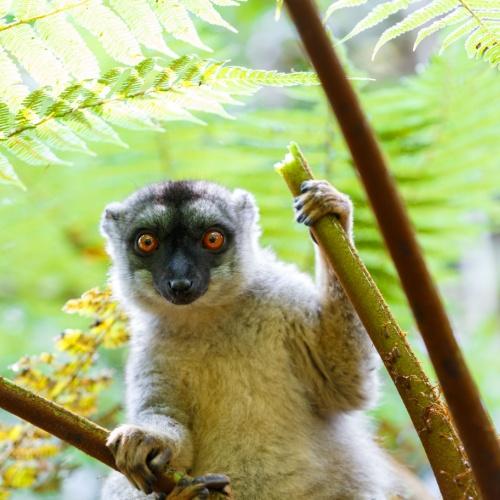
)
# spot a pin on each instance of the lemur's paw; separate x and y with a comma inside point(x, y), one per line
point(320, 198)
point(140, 455)
point(202, 487)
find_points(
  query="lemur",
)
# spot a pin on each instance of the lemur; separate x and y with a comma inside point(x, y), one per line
point(239, 364)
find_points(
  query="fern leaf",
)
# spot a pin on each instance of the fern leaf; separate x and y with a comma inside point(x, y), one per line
point(458, 33)
point(377, 15)
point(342, 4)
point(112, 32)
point(44, 37)
point(455, 17)
point(239, 80)
point(31, 150)
point(7, 173)
point(126, 115)
point(175, 19)
point(482, 44)
point(59, 136)
point(65, 41)
point(90, 127)
point(35, 56)
point(4, 7)
point(205, 10)
point(12, 88)
point(478, 20)
point(143, 23)
point(415, 20)
point(162, 108)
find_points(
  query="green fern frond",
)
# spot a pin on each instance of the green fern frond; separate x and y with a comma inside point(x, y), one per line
point(478, 20)
point(137, 98)
point(44, 37)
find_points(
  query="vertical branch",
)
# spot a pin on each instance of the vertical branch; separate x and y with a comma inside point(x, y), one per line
point(472, 421)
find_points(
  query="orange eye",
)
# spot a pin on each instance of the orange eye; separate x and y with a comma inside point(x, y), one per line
point(213, 240)
point(147, 243)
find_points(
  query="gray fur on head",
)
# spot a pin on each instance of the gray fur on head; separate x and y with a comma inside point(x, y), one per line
point(170, 209)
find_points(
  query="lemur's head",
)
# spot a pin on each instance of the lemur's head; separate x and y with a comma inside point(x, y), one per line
point(181, 242)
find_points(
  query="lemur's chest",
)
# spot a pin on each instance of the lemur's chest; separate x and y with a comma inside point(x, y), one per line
point(234, 367)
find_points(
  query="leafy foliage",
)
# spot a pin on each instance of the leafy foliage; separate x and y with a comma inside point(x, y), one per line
point(478, 20)
point(68, 377)
point(50, 46)
point(47, 37)
point(139, 98)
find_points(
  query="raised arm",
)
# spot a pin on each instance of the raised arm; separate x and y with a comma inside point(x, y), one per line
point(343, 361)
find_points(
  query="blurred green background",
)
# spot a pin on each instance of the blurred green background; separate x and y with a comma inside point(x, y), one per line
point(437, 121)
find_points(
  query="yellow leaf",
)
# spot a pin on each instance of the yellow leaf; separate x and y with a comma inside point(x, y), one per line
point(11, 433)
point(76, 342)
point(43, 450)
point(4, 494)
point(94, 303)
point(17, 476)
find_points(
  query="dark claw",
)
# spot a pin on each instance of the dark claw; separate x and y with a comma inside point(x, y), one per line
point(298, 204)
point(308, 221)
point(203, 494)
point(301, 218)
point(213, 481)
point(304, 187)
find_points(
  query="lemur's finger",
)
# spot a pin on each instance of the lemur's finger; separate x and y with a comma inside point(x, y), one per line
point(113, 441)
point(139, 467)
point(159, 461)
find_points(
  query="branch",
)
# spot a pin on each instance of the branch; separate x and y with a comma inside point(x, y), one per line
point(427, 411)
point(472, 420)
point(74, 429)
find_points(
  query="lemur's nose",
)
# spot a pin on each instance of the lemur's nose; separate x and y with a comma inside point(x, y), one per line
point(180, 285)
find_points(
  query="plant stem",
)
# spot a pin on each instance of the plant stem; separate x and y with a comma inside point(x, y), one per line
point(473, 423)
point(427, 411)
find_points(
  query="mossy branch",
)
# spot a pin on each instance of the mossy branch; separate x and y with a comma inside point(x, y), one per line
point(71, 428)
point(428, 412)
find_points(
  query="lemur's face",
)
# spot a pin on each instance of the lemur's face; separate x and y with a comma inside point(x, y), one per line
point(178, 242)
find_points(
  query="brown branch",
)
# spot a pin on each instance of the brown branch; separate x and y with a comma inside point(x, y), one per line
point(66, 425)
point(473, 423)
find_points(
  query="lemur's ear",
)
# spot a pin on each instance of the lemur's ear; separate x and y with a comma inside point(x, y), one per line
point(112, 213)
point(246, 205)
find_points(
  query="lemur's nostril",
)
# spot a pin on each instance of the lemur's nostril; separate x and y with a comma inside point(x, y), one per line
point(180, 285)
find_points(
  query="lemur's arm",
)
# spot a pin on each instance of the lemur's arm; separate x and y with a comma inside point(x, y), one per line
point(343, 362)
point(157, 434)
